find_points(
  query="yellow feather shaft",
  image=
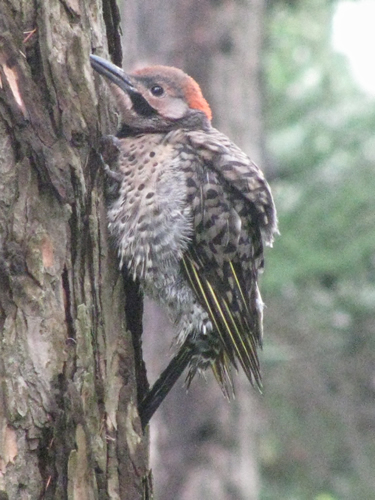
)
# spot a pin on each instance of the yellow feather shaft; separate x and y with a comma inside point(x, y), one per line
point(252, 358)
point(198, 281)
point(239, 286)
point(234, 343)
point(252, 344)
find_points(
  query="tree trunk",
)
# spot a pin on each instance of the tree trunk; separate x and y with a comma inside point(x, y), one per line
point(203, 447)
point(69, 427)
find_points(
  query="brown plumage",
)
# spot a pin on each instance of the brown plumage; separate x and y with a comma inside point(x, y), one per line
point(190, 219)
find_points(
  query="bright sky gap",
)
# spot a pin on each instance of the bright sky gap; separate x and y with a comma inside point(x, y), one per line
point(354, 35)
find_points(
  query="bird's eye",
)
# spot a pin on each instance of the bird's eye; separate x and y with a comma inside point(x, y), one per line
point(157, 91)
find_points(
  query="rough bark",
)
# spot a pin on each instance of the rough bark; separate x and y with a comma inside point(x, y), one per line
point(203, 447)
point(69, 427)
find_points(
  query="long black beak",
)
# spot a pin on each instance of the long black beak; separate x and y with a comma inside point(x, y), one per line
point(113, 73)
point(122, 80)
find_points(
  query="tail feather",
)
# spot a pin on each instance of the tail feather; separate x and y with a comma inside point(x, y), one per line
point(164, 383)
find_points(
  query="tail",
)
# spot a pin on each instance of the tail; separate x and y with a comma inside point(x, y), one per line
point(199, 355)
point(164, 383)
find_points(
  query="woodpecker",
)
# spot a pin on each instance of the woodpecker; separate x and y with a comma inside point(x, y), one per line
point(190, 219)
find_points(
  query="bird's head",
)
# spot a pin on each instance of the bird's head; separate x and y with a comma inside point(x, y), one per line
point(156, 98)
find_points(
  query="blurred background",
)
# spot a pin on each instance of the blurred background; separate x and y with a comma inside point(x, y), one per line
point(293, 84)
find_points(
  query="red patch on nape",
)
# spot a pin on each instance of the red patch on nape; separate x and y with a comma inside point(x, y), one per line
point(195, 99)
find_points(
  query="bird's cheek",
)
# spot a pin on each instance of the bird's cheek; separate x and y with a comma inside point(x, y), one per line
point(173, 109)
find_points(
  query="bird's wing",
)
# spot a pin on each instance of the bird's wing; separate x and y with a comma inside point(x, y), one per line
point(224, 258)
point(236, 168)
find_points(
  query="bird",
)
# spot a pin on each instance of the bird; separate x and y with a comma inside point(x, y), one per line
point(190, 219)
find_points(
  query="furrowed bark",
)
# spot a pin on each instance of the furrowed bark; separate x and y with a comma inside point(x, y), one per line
point(69, 427)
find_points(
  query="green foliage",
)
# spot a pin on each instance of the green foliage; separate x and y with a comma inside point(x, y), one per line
point(321, 135)
point(320, 279)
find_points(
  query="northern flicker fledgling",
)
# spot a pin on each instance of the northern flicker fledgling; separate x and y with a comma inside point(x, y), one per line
point(190, 220)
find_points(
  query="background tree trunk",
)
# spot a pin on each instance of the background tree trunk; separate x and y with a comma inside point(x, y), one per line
point(203, 447)
point(69, 426)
